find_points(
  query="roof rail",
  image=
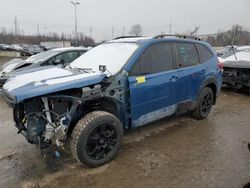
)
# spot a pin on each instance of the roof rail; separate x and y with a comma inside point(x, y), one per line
point(179, 36)
point(123, 37)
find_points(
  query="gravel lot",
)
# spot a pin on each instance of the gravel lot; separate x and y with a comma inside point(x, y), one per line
point(177, 152)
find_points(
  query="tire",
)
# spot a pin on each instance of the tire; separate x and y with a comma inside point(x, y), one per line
point(205, 103)
point(96, 139)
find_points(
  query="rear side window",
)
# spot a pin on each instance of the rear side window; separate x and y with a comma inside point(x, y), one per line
point(156, 58)
point(187, 55)
point(204, 52)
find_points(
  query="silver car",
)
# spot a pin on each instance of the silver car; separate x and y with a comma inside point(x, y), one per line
point(54, 57)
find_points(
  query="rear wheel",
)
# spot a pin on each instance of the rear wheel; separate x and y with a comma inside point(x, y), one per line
point(96, 139)
point(205, 103)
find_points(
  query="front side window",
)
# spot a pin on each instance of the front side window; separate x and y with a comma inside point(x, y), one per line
point(187, 55)
point(156, 58)
point(68, 57)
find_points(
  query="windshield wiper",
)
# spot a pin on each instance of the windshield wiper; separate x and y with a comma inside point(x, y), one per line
point(85, 70)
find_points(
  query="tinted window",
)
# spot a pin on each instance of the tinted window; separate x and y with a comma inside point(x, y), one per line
point(68, 57)
point(187, 54)
point(204, 53)
point(157, 58)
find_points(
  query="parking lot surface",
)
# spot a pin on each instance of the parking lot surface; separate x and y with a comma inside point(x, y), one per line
point(175, 152)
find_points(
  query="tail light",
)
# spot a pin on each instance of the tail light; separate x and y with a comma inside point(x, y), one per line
point(221, 65)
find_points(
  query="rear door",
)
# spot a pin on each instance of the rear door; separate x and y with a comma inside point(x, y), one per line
point(192, 73)
point(152, 83)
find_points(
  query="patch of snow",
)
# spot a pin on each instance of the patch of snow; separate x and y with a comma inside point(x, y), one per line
point(10, 67)
point(69, 48)
point(68, 78)
point(37, 76)
point(242, 48)
point(41, 56)
point(241, 56)
point(113, 55)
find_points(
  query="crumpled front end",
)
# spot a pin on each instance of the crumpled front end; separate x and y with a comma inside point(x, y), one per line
point(46, 120)
point(237, 78)
point(46, 103)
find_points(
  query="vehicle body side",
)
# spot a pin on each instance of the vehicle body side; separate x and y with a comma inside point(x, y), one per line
point(135, 100)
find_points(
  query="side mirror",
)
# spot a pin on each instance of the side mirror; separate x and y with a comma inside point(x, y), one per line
point(59, 61)
point(102, 68)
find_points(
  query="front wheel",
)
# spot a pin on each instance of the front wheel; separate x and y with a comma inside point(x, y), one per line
point(96, 139)
point(205, 103)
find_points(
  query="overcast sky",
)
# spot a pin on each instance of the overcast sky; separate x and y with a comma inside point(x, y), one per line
point(154, 15)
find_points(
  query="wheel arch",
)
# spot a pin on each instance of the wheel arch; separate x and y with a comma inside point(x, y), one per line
point(116, 108)
point(211, 83)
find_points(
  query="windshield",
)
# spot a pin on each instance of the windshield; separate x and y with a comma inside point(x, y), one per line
point(41, 56)
point(112, 55)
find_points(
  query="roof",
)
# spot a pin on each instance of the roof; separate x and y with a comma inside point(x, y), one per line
point(158, 37)
point(130, 39)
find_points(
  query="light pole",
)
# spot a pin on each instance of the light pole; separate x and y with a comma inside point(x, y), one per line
point(75, 4)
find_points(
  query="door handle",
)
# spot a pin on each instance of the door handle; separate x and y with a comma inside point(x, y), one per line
point(173, 78)
point(203, 71)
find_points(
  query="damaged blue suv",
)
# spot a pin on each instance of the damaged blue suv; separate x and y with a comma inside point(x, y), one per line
point(119, 85)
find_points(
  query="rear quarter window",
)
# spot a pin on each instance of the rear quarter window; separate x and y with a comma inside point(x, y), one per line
point(204, 53)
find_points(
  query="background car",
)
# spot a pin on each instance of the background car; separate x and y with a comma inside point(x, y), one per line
point(237, 71)
point(59, 56)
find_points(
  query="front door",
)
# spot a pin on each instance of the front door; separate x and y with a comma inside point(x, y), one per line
point(152, 83)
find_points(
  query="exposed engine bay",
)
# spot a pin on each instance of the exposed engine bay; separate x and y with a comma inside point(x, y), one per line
point(46, 120)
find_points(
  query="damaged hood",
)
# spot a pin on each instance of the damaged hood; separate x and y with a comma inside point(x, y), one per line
point(237, 64)
point(41, 82)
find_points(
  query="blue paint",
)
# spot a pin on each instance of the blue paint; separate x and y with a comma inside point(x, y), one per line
point(154, 99)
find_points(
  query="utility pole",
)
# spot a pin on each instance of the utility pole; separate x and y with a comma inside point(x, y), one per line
point(104, 36)
point(234, 34)
point(112, 35)
point(75, 5)
point(123, 30)
point(170, 28)
point(90, 31)
point(233, 40)
point(38, 30)
point(15, 26)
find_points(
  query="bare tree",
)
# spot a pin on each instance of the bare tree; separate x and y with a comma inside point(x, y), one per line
point(241, 37)
point(136, 30)
point(195, 31)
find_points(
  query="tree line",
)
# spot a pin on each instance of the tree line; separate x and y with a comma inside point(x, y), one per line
point(237, 35)
point(11, 38)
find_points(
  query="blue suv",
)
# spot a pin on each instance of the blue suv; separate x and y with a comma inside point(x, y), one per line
point(119, 85)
